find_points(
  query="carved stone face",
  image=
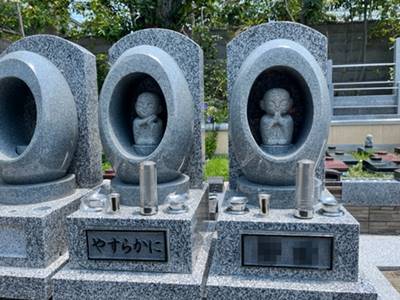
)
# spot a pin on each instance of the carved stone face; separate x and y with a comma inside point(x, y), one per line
point(148, 104)
point(276, 100)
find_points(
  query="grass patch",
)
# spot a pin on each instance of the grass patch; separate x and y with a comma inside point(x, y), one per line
point(217, 166)
point(357, 172)
point(105, 164)
point(364, 155)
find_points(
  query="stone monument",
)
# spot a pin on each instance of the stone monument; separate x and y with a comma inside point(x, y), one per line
point(281, 253)
point(150, 100)
point(279, 112)
point(49, 156)
point(156, 246)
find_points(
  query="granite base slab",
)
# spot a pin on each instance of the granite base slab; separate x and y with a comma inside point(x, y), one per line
point(29, 283)
point(91, 284)
point(343, 232)
point(371, 192)
point(34, 235)
point(181, 238)
point(130, 194)
point(252, 287)
point(37, 193)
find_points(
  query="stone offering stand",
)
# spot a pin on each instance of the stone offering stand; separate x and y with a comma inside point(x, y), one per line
point(165, 234)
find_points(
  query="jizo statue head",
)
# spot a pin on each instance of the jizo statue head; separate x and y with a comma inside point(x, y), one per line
point(148, 104)
point(276, 101)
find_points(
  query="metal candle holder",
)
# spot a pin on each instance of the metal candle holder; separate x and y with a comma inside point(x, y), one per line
point(264, 201)
point(305, 189)
point(148, 188)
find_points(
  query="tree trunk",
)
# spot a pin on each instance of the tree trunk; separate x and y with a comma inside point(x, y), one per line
point(365, 39)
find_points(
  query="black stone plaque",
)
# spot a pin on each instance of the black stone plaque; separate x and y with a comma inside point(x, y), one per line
point(287, 251)
point(127, 245)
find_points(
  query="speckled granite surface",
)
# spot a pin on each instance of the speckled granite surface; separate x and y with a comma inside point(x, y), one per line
point(89, 284)
point(371, 192)
point(29, 283)
point(380, 252)
point(240, 48)
point(34, 235)
point(252, 287)
point(345, 231)
point(79, 69)
point(181, 232)
point(189, 57)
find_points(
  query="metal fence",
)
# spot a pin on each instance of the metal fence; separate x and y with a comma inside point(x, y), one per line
point(366, 99)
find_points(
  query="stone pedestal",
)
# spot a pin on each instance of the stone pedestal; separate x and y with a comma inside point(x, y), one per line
point(173, 269)
point(33, 245)
point(306, 259)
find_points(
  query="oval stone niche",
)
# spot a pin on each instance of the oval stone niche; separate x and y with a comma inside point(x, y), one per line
point(270, 159)
point(38, 120)
point(146, 69)
point(18, 117)
point(123, 104)
point(301, 111)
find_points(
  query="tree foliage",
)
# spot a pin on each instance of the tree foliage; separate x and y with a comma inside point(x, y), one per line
point(112, 19)
point(38, 17)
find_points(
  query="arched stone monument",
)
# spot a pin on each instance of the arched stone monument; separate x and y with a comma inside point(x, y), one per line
point(279, 119)
point(279, 108)
point(150, 109)
point(49, 138)
point(50, 154)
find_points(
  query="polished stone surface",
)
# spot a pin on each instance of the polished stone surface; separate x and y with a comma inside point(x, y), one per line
point(176, 68)
point(290, 46)
point(130, 194)
point(182, 234)
point(43, 100)
point(33, 246)
point(252, 287)
point(361, 192)
point(29, 283)
point(34, 235)
point(37, 193)
point(78, 67)
point(345, 231)
point(380, 253)
point(92, 284)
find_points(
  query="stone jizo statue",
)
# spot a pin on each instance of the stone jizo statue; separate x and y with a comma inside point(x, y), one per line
point(369, 141)
point(147, 126)
point(276, 125)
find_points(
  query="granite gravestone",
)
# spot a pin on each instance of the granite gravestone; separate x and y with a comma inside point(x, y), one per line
point(49, 150)
point(275, 255)
point(279, 108)
point(150, 110)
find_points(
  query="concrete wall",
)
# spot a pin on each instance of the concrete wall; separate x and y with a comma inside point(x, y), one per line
point(341, 134)
point(355, 134)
